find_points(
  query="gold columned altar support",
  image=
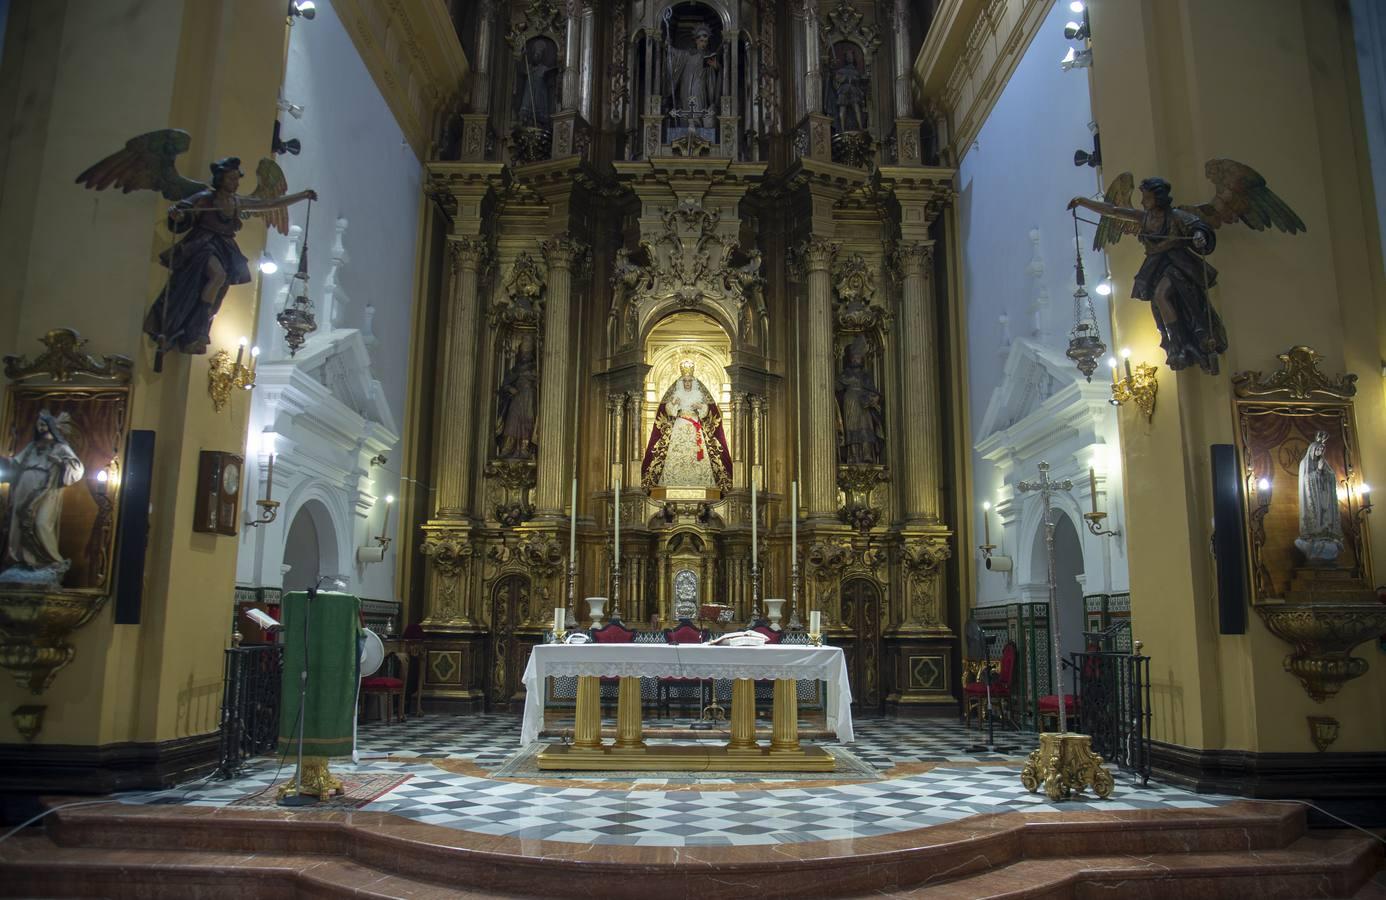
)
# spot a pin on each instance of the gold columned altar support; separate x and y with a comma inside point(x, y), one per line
point(1065, 765)
point(742, 752)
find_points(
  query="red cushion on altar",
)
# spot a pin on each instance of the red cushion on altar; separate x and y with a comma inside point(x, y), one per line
point(1050, 703)
point(997, 689)
point(381, 683)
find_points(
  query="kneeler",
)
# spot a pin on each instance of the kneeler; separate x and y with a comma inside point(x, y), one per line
point(334, 663)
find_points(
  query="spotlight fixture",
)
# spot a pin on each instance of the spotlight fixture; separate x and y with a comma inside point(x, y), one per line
point(1076, 6)
point(305, 8)
point(292, 109)
point(278, 146)
point(1076, 59)
point(1083, 157)
point(1075, 31)
point(1104, 288)
point(267, 264)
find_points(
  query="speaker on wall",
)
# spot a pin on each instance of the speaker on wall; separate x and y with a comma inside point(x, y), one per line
point(1229, 544)
point(133, 529)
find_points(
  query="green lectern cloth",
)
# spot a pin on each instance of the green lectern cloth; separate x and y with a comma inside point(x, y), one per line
point(334, 663)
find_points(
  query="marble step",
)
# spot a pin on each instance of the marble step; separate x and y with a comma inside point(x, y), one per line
point(1311, 867)
point(380, 846)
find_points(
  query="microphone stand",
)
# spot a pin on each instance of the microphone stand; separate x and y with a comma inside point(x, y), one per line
point(990, 745)
point(295, 796)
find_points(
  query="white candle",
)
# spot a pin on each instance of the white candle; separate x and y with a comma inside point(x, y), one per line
point(793, 521)
point(572, 527)
point(815, 622)
point(385, 526)
point(269, 479)
point(753, 518)
point(618, 524)
point(558, 620)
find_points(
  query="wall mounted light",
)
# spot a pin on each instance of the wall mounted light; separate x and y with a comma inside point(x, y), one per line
point(306, 9)
point(986, 546)
point(268, 506)
point(1140, 386)
point(1076, 59)
point(1364, 499)
point(223, 374)
point(267, 264)
point(1095, 517)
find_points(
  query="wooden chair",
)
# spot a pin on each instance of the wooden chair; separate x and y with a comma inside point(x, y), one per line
point(388, 687)
point(975, 691)
point(685, 633)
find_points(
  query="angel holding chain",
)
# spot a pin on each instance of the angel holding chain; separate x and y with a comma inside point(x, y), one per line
point(206, 262)
point(1174, 276)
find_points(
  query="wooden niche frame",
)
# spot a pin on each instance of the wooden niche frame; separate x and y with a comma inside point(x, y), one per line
point(1277, 417)
point(94, 393)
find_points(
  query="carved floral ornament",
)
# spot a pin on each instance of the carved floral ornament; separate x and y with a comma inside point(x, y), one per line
point(855, 283)
point(1298, 378)
point(828, 559)
point(520, 303)
point(844, 21)
point(469, 252)
point(65, 359)
point(923, 558)
point(541, 17)
point(450, 552)
point(539, 554)
point(690, 263)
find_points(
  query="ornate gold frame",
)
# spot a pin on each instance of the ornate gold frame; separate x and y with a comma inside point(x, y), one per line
point(35, 624)
point(1297, 389)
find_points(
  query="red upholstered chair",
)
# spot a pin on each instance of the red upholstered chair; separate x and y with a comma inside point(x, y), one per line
point(975, 692)
point(1049, 703)
point(684, 633)
point(761, 627)
point(388, 686)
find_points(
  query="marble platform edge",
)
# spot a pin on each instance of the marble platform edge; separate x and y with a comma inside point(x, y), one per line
point(1310, 867)
point(444, 855)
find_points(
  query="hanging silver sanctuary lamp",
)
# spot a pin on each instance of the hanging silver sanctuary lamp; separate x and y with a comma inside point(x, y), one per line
point(297, 317)
point(1085, 345)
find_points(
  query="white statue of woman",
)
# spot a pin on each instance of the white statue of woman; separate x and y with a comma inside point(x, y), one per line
point(37, 476)
point(1320, 521)
point(687, 446)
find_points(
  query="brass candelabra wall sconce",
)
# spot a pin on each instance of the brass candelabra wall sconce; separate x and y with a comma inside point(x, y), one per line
point(267, 506)
point(1094, 517)
point(1139, 386)
point(223, 374)
point(994, 562)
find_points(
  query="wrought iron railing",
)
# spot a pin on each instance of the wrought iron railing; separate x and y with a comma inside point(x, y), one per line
point(1113, 703)
point(249, 704)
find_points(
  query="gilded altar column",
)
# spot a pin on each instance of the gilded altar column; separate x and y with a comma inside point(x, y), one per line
point(923, 415)
point(554, 392)
point(453, 476)
point(816, 357)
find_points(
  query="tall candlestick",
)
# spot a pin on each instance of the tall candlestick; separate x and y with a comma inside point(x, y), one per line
point(753, 518)
point(986, 524)
point(269, 479)
point(385, 526)
point(1092, 486)
point(794, 520)
point(572, 524)
point(618, 524)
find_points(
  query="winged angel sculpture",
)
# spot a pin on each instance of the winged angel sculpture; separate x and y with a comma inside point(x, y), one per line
point(206, 262)
point(1174, 277)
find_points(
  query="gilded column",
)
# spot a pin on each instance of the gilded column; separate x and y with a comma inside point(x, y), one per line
point(820, 445)
point(458, 402)
point(554, 391)
point(922, 409)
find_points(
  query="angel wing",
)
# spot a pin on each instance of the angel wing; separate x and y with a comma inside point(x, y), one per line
point(270, 184)
point(1109, 228)
point(146, 164)
point(1242, 195)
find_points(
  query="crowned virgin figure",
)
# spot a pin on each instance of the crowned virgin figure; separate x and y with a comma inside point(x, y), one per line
point(1320, 520)
point(687, 446)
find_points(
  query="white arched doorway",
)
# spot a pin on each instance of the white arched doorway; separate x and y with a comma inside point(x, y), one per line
point(310, 548)
point(1068, 569)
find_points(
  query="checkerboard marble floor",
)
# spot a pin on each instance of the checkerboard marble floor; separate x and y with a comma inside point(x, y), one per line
point(759, 814)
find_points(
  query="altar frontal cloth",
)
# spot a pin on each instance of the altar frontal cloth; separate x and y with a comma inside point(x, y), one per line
point(334, 625)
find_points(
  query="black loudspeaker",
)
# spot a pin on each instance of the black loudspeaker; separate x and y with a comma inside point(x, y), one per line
point(1229, 544)
point(133, 530)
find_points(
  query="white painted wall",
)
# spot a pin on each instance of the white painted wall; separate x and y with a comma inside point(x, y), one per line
point(362, 239)
point(1017, 179)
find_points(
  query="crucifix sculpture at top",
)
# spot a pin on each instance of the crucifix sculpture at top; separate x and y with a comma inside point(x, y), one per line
point(1047, 488)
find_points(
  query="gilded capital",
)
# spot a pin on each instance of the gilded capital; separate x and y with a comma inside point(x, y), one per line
point(564, 251)
point(816, 254)
point(913, 257)
point(467, 252)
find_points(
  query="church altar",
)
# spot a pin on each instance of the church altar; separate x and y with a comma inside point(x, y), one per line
point(743, 666)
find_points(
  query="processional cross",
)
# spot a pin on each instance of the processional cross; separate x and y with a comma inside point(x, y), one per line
point(1047, 488)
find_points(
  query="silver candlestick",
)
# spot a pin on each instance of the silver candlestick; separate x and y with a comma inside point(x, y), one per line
point(1046, 489)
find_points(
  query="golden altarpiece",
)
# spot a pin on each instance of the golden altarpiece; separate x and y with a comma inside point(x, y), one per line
point(687, 244)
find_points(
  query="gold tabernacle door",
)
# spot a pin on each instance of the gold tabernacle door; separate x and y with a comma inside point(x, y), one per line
point(661, 492)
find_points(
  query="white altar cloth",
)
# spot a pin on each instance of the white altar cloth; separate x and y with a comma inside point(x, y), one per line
point(799, 662)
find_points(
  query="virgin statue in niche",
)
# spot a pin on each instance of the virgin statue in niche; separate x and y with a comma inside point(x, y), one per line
point(687, 446)
point(37, 476)
point(1320, 521)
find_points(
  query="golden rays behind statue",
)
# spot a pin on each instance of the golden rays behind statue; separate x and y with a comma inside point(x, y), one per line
point(1175, 278)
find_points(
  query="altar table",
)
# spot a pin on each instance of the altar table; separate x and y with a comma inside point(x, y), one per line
point(784, 664)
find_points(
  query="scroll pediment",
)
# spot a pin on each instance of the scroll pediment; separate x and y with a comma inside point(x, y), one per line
point(1032, 375)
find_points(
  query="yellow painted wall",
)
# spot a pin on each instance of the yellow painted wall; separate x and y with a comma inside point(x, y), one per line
point(1271, 83)
point(88, 261)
